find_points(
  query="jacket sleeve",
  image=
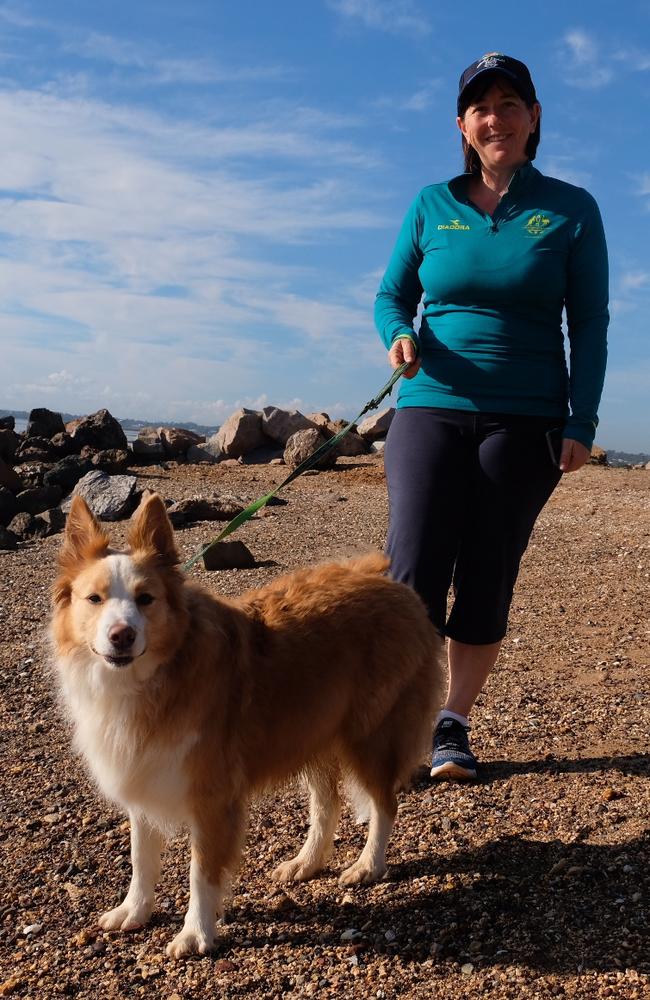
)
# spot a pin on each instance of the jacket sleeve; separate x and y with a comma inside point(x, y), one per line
point(587, 320)
point(400, 291)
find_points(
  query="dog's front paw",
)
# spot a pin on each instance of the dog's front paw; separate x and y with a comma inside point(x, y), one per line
point(126, 917)
point(190, 941)
point(295, 870)
point(361, 873)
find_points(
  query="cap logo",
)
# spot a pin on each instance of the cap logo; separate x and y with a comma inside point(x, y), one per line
point(490, 60)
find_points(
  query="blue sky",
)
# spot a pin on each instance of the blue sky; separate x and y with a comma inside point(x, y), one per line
point(198, 199)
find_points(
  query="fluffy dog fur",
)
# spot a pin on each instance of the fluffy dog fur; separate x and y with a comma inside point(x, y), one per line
point(185, 704)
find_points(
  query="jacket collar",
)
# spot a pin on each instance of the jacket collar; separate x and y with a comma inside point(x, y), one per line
point(521, 178)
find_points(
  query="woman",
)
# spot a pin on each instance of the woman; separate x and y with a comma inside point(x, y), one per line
point(489, 417)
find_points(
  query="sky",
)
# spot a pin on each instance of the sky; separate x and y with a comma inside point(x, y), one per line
point(198, 198)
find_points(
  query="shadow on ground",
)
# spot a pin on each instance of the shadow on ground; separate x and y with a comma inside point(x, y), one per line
point(518, 894)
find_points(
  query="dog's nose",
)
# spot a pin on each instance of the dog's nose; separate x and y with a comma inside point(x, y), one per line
point(121, 636)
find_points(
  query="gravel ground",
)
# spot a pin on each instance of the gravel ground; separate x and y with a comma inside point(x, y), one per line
point(532, 883)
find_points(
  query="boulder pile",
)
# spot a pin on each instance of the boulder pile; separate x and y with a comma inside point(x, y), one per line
point(42, 467)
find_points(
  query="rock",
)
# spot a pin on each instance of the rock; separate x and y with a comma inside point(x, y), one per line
point(11, 984)
point(7, 423)
point(99, 430)
point(8, 541)
point(32, 929)
point(35, 450)
point(44, 423)
point(228, 555)
point(320, 420)
point(9, 442)
point(67, 473)
point(9, 506)
point(177, 441)
point(277, 461)
point(26, 526)
point(209, 451)
point(222, 965)
point(262, 456)
point(376, 425)
point(241, 433)
point(39, 498)
point(377, 447)
point(63, 444)
point(302, 444)
point(279, 424)
point(221, 508)
point(351, 445)
point(55, 520)
point(33, 473)
point(115, 461)
point(598, 456)
point(148, 444)
point(9, 479)
point(109, 497)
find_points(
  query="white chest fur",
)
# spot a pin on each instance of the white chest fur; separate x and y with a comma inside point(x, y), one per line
point(146, 774)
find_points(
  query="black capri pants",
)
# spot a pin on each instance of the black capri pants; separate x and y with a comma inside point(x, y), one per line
point(464, 492)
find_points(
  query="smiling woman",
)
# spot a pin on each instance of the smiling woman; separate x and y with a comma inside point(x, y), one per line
point(491, 415)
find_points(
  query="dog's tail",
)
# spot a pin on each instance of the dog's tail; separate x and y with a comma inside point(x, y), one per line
point(371, 562)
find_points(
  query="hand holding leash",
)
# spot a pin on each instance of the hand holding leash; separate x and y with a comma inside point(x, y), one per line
point(404, 350)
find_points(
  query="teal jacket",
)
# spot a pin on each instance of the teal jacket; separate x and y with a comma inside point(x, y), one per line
point(491, 337)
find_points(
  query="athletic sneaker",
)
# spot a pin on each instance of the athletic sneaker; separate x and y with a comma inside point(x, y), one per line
point(452, 759)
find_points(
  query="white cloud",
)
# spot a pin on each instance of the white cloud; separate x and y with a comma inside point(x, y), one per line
point(420, 100)
point(583, 62)
point(142, 255)
point(633, 280)
point(393, 16)
point(635, 59)
point(563, 166)
point(156, 67)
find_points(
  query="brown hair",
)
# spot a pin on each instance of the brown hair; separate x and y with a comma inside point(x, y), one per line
point(475, 93)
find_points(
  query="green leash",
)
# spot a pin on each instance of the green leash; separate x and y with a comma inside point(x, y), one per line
point(307, 464)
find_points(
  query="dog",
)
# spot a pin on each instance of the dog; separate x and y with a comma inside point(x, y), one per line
point(185, 704)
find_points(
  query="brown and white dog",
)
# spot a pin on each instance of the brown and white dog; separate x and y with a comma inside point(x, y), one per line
point(185, 704)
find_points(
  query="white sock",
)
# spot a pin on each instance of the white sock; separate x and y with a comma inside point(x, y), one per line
point(444, 713)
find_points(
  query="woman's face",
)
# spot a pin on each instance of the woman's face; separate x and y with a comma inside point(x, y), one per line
point(499, 125)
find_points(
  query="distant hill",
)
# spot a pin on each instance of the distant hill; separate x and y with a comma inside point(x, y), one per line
point(128, 423)
point(626, 458)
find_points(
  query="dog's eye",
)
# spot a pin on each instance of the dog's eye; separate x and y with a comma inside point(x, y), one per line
point(94, 599)
point(143, 599)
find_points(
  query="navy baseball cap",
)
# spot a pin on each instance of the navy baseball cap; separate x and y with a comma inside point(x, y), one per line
point(498, 64)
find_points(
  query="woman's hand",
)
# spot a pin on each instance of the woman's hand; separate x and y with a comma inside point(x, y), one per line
point(404, 350)
point(574, 455)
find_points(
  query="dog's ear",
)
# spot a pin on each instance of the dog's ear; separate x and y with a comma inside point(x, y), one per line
point(151, 530)
point(84, 536)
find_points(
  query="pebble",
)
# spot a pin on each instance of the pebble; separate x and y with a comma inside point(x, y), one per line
point(467, 969)
point(10, 985)
point(224, 965)
point(31, 929)
point(351, 934)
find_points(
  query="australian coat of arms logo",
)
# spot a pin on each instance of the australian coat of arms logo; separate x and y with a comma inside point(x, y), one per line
point(537, 224)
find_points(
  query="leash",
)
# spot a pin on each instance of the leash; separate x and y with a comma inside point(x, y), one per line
point(252, 508)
